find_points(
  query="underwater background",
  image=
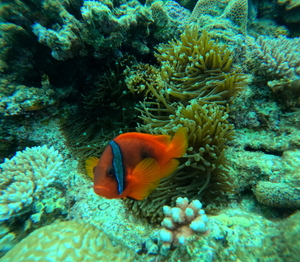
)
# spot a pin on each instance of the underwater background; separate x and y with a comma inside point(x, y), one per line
point(74, 74)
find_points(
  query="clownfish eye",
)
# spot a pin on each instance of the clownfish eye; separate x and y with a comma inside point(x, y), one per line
point(110, 172)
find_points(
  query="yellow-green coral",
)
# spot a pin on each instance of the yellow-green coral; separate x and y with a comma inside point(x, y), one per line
point(68, 241)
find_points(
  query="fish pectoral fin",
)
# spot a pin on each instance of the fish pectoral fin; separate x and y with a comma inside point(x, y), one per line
point(169, 168)
point(90, 163)
point(145, 178)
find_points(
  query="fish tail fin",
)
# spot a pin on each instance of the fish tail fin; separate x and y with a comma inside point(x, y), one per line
point(176, 149)
point(90, 163)
point(179, 144)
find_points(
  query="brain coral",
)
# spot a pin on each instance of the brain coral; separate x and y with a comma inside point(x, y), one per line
point(24, 177)
point(68, 241)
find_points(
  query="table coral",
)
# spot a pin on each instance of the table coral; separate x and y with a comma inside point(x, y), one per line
point(68, 241)
point(24, 177)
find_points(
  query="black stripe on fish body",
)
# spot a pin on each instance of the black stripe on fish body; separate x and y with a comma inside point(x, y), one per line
point(117, 163)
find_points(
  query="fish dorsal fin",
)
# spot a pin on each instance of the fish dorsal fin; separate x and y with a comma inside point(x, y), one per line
point(90, 163)
point(164, 139)
point(169, 168)
point(179, 144)
point(145, 178)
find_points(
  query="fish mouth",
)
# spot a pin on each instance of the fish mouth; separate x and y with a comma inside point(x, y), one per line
point(100, 190)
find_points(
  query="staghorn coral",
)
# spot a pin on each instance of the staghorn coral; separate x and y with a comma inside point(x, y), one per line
point(181, 222)
point(70, 240)
point(280, 56)
point(24, 177)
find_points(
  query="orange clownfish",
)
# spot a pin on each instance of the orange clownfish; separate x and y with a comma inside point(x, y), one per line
point(133, 164)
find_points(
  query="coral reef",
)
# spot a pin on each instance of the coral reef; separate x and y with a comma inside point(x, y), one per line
point(107, 109)
point(278, 194)
point(289, 4)
point(218, 17)
point(24, 177)
point(279, 59)
point(192, 88)
point(182, 221)
point(292, 8)
point(19, 99)
point(104, 27)
point(169, 18)
point(70, 240)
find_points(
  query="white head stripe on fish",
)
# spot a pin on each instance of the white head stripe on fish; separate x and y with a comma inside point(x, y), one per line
point(117, 163)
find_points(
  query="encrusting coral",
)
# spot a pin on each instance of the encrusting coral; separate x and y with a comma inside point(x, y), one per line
point(289, 4)
point(192, 88)
point(68, 241)
point(222, 18)
point(20, 99)
point(281, 195)
point(181, 222)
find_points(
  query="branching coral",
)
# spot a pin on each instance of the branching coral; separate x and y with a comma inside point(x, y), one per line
point(280, 63)
point(104, 27)
point(24, 177)
point(70, 240)
point(182, 221)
